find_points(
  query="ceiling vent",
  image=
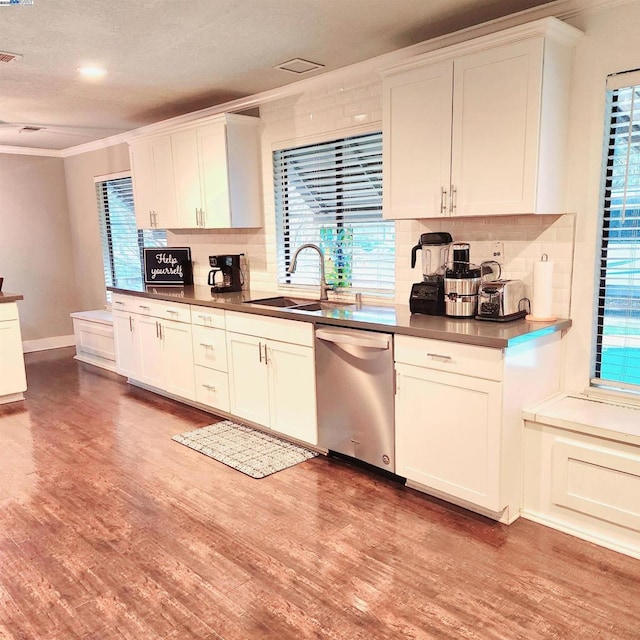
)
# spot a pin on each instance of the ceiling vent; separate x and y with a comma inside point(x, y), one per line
point(9, 57)
point(299, 66)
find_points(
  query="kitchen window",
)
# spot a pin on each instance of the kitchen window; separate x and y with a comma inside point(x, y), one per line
point(122, 241)
point(330, 194)
point(617, 349)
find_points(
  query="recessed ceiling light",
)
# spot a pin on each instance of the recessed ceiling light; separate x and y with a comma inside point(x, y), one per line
point(92, 72)
point(299, 66)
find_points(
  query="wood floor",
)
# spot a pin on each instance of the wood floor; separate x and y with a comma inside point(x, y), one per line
point(109, 529)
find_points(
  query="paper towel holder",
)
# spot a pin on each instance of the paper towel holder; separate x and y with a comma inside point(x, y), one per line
point(532, 318)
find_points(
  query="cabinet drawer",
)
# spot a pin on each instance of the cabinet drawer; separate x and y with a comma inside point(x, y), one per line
point(167, 310)
point(207, 317)
point(291, 331)
point(212, 388)
point(453, 357)
point(126, 303)
point(210, 347)
point(8, 311)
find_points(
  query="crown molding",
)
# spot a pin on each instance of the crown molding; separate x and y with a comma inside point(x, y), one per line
point(30, 151)
point(561, 9)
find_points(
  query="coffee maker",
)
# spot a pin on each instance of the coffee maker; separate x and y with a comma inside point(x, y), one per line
point(428, 296)
point(225, 275)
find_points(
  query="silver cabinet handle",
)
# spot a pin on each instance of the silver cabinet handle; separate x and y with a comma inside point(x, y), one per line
point(206, 346)
point(206, 319)
point(172, 312)
point(130, 324)
point(210, 387)
point(118, 302)
point(266, 361)
point(157, 330)
point(443, 200)
point(202, 217)
point(439, 356)
point(161, 331)
point(453, 202)
point(260, 350)
point(142, 306)
point(151, 218)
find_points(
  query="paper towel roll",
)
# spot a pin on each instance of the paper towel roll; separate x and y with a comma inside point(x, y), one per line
point(542, 301)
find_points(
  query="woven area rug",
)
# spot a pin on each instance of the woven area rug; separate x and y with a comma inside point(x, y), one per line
point(253, 452)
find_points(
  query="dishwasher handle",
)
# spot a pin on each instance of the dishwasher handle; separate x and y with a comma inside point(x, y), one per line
point(366, 339)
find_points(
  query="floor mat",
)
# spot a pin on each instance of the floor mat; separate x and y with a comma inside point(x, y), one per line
point(255, 453)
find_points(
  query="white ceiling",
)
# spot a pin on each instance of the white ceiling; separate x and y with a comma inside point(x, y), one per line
point(166, 58)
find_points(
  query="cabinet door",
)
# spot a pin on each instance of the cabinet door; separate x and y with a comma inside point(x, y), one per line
point(292, 391)
point(248, 378)
point(417, 142)
point(186, 172)
point(12, 374)
point(214, 176)
point(153, 185)
point(177, 359)
point(151, 358)
point(496, 118)
point(454, 447)
point(126, 332)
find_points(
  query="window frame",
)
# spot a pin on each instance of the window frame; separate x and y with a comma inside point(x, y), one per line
point(282, 234)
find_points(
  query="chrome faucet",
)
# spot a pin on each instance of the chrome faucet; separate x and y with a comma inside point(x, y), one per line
point(324, 287)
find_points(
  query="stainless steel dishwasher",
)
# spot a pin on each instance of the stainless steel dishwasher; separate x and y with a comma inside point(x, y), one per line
point(355, 391)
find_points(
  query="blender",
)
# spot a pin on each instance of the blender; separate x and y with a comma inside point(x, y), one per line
point(428, 296)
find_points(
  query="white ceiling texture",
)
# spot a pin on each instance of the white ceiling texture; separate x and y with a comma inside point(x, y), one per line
point(165, 58)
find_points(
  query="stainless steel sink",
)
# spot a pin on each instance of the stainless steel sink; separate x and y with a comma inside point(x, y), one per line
point(300, 304)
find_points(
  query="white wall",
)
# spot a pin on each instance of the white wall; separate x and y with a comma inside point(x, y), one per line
point(36, 253)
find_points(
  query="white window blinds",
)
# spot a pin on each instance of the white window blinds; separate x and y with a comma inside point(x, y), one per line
point(617, 352)
point(330, 194)
point(122, 241)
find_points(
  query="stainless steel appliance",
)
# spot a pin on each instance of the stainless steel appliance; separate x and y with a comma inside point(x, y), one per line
point(461, 283)
point(355, 392)
point(502, 300)
point(428, 296)
point(226, 274)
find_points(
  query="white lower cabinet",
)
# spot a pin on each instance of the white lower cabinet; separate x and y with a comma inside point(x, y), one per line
point(13, 381)
point(155, 351)
point(212, 388)
point(459, 427)
point(272, 374)
point(454, 445)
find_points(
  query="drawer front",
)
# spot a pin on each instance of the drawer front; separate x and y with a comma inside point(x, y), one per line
point(125, 303)
point(452, 357)
point(291, 331)
point(168, 310)
point(8, 311)
point(212, 388)
point(207, 317)
point(209, 347)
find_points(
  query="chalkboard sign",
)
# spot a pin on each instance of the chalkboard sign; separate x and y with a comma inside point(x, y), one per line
point(167, 265)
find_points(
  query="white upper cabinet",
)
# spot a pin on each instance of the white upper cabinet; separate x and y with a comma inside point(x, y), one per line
point(214, 177)
point(153, 192)
point(480, 128)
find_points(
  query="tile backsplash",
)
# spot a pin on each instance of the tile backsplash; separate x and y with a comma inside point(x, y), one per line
point(340, 110)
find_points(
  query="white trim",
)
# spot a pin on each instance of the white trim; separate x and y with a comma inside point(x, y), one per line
point(600, 540)
point(30, 151)
point(112, 176)
point(55, 342)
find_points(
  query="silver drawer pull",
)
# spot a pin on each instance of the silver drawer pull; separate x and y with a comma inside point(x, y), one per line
point(206, 346)
point(171, 311)
point(439, 356)
point(205, 319)
point(118, 302)
point(209, 387)
point(140, 306)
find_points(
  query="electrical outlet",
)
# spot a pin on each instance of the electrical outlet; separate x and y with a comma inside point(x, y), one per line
point(498, 251)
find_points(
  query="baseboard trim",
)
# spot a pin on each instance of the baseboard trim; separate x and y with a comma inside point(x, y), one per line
point(55, 342)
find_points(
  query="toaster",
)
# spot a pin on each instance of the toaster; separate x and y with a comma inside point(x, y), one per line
point(502, 300)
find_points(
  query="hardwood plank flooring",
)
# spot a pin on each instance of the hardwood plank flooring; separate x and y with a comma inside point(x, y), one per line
point(109, 529)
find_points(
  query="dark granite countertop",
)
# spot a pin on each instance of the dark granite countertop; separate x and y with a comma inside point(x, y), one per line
point(10, 297)
point(393, 319)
